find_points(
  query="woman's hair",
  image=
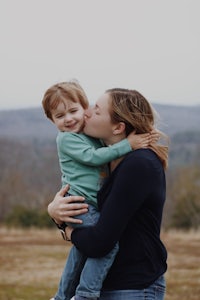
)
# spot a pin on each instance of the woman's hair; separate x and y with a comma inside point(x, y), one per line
point(130, 107)
point(61, 92)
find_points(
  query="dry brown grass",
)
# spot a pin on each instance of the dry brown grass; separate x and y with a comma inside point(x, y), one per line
point(183, 275)
point(31, 262)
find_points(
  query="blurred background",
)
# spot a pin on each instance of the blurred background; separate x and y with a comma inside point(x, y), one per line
point(151, 46)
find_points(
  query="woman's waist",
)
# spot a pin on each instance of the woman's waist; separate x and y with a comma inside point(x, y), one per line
point(132, 276)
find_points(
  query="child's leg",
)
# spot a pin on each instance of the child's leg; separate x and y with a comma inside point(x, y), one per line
point(94, 273)
point(75, 261)
point(71, 275)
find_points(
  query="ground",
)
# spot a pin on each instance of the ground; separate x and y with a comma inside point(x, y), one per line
point(32, 261)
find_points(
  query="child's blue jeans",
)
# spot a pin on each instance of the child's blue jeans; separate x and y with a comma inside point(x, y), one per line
point(81, 275)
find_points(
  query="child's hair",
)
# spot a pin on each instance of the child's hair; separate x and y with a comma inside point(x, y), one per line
point(130, 107)
point(59, 92)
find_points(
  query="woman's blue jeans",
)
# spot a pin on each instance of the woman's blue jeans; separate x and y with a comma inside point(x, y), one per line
point(156, 291)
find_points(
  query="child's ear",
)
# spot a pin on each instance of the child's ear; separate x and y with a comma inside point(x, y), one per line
point(119, 128)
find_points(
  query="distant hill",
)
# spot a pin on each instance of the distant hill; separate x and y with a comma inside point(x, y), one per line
point(175, 119)
point(26, 123)
point(32, 123)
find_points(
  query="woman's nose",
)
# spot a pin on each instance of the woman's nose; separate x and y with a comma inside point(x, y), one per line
point(88, 112)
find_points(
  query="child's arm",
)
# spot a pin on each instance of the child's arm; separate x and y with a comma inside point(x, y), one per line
point(78, 148)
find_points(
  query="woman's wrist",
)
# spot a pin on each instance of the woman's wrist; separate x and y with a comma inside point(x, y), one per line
point(68, 231)
point(62, 227)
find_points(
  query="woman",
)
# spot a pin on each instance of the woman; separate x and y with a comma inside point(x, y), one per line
point(131, 202)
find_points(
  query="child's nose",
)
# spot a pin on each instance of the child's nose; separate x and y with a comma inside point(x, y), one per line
point(68, 117)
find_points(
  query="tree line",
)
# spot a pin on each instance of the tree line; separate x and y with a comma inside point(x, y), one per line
point(30, 177)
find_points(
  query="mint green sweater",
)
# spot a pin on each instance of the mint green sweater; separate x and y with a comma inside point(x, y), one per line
point(83, 162)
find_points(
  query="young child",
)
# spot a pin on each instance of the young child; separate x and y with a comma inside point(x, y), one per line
point(83, 166)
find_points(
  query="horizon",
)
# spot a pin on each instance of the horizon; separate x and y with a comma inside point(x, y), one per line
point(152, 103)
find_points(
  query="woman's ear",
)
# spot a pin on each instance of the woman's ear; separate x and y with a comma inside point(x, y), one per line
point(119, 128)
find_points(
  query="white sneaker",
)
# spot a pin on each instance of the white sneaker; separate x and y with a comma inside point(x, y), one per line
point(73, 298)
point(52, 299)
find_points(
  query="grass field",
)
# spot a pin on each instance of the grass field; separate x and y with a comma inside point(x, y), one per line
point(31, 262)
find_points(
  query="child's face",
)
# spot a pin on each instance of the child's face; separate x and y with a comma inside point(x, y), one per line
point(69, 116)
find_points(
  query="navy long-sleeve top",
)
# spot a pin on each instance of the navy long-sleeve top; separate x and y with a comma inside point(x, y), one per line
point(131, 203)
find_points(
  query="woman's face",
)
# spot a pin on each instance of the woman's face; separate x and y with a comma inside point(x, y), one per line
point(98, 122)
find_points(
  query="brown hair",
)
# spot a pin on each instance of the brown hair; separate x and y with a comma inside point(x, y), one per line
point(130, 107)
point(59, 92)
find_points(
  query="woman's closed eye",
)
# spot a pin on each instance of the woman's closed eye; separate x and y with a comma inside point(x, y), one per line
point(96, 110)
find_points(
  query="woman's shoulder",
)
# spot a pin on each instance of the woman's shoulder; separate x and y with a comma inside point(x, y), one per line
point(141, 153)
point(141, 158)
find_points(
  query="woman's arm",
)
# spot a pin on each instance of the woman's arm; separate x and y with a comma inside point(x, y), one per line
point(131, 184)
point(63, 209)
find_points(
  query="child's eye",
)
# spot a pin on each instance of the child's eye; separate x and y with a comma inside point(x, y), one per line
point(59, 116)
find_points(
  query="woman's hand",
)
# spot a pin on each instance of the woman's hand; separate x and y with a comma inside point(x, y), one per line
point(63, 209)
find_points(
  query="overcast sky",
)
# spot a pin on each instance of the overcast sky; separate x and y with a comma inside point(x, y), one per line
point(149, 45)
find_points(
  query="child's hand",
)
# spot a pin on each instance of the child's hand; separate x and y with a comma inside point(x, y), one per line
point(139, 140)
point(143, 140)
point(155, 136)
